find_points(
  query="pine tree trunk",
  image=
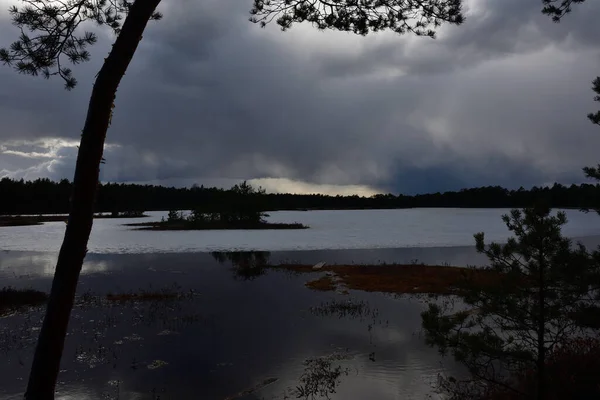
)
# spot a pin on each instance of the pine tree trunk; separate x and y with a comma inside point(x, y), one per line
point(48, 352)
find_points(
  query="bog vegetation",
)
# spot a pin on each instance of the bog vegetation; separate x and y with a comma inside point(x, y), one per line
point(543, 308)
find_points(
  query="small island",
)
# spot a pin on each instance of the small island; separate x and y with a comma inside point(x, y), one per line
point(187, 225)
point(243, 210)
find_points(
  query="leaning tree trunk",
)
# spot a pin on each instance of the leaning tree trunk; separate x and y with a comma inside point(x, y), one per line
point(46, 361)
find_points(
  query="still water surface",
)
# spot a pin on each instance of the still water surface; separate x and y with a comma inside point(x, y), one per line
point(231, 336)
point(235, 334)
point(366, 229)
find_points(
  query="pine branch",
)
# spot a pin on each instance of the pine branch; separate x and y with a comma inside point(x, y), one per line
point(57, 38)
point(420, 17)
point(557, 9)
point(595, 117)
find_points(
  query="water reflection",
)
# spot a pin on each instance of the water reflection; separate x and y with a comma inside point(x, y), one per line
point(231, 336)
point(321, 377)
point(247, 265)
point(345, 308)
point(32, 264)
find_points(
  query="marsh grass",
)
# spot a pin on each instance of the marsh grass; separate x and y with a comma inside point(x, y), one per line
point(150, 295)
point(12, 299)
point(395, 278)
point(343, 309)
point(110, 336)
point(324, 283)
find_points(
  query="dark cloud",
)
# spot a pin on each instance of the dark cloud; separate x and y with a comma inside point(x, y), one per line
point(209, 96)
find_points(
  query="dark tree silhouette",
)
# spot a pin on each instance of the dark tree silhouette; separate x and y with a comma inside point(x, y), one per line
point(43, 196)
point(557, 9)
point(546, 294)
point(595, 117)
point(594, 172)
point(56, 39)
point(55, 28)
point(361, 17)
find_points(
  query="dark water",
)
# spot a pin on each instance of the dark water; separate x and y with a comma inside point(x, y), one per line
point(236, 331)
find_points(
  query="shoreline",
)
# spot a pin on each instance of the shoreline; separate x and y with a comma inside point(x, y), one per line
point(187, 226)
point(32, 220)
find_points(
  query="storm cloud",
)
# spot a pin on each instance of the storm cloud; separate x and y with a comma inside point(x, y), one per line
point(211, 98)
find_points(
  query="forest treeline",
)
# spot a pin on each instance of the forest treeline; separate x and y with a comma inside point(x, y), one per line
point(46, 196)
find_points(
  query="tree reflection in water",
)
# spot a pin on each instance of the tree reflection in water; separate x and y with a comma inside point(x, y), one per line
point(247, 265)
point(321, 376)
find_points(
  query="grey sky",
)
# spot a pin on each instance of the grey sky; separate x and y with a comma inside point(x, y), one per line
point(212, 98)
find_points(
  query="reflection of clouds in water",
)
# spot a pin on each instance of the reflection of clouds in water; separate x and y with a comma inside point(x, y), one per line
point(274, 342)
point(41, 265)
point(403, 367)
point(28, 265)
point(389, 335)
point(90, 267)
point(409, 377)
point(113, 390)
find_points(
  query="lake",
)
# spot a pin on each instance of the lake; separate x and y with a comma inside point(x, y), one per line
point(365, 229)
point(228, 337)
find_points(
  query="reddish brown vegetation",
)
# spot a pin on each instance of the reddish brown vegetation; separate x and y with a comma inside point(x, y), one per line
point(397, 278)
point(325, 283)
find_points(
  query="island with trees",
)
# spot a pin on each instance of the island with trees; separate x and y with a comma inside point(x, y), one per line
point(243, 209)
